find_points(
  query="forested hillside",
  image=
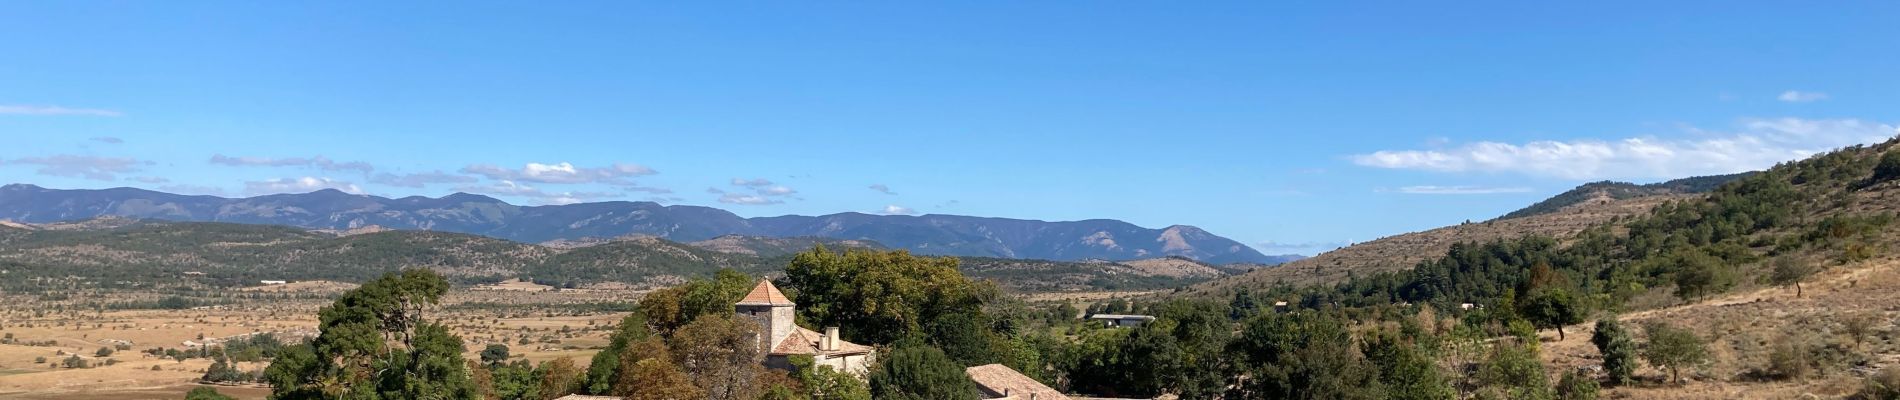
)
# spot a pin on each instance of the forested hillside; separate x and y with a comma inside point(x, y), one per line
point(121, 252)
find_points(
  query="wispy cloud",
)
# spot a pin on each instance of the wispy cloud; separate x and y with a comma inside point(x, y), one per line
point(1796, 96)
point(563, 173)
point(881, 188)
point(88, 167)
point(299, 185)
point(754, 182)
point(318, 162)
point(56, 110)
point(420, 179)
point(777, 191)
point(897, 210)
point(107, 139)
point(747, 199)
point(1429, 189)
point(1754, 144)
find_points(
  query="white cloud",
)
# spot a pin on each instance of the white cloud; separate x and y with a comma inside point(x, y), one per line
point(299, 185)
point(319, 162)
point(754, 182)
point(89, 167)
point(107, 139)
point(515, 189)
point(777, 191)
point(419, 179)
point(747, 199)
point(565, 173)
point(881, 188)
point(897, 210)
point(1754, 144)
point(55, 110)
point(1429, 189)
point(1796, 96)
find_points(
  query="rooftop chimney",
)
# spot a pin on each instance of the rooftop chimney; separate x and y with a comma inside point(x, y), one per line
point(830, 341)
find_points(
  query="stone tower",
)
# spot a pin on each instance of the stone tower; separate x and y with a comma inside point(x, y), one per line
point(773, 312)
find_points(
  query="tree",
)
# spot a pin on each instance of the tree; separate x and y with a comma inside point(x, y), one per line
point(1698, 274)
point(1302, 355)
point(1888, 168)
point(559, 377)
point(206, 393)
point(515, 381)
point(1574, 386)
point(1672, 348)
point(1789, 272)
point(605, 367)
point(376, 343)
point(720, 352)
point(1407, 372)
point(494, 354)
point(669, 309)
point(660, 380)
point(919, 372)
point(880, 296)
point(1515, 370)
point(1552, 308)
point(1618, 350)
point(821, 382)
point(650, 348)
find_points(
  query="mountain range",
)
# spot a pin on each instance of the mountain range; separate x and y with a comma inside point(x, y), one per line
point(934, 234)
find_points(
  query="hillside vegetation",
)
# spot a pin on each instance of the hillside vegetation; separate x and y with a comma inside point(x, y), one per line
point(117, 252)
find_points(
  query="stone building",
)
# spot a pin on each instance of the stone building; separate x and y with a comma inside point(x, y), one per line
point(780, 338)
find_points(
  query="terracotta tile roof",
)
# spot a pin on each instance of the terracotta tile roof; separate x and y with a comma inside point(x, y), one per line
point(805, 341)
point(765, 295)
point(995, 380)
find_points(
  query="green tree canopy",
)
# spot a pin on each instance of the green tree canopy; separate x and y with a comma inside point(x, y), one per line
point(880, 296)
point(1673, 348)
point(376, 344)
point(919, 372)
point(1618, 350)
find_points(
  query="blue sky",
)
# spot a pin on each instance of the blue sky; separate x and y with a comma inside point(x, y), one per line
point(1293, 127)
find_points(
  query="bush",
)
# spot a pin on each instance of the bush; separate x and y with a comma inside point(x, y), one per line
point(1673, 348)
point(39, 360)
point(1576, 387)
point(1884, 385)
point(1618, 350)
point(1789, 360)
point(103, 352)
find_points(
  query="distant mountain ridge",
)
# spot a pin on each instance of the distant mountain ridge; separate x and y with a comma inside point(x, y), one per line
point(1613, 190)
point(482, 215)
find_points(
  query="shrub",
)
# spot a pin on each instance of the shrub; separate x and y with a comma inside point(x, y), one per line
point(1884, 385)
point(1619, 351)
point(1673, 348)
point(1576, 387)
point(1790, 360)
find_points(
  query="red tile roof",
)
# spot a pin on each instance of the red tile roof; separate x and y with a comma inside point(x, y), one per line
point(765, 295)
point(805, 341)
point(997, 380)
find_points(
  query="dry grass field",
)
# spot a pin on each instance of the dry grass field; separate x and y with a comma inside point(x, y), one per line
point(1744, 326)
point(536, 325)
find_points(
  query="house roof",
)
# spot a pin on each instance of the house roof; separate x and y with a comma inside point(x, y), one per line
point(1121, 316)
point(805, 341)
point(765, 295)
point(1002, 382)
